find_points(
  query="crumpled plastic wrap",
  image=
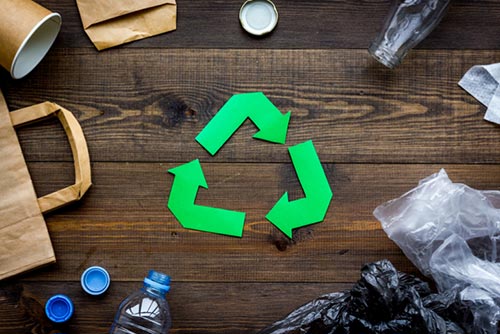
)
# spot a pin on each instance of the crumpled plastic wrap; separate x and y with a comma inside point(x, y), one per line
point(451, 232)
point(383, 301)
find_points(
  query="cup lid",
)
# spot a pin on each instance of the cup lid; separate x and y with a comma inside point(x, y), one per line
point(95, 280)
point(59, 308)
point(258, 17)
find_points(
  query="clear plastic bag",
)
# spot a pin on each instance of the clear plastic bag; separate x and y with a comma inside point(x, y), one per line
point(452, 233)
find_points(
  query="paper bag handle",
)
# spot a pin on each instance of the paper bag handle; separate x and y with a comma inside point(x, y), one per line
point(78, 147)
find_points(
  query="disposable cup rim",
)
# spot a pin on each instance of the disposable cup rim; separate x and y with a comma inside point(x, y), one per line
point(42, 22)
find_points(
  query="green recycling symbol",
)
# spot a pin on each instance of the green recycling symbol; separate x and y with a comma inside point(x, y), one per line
point(273, 126)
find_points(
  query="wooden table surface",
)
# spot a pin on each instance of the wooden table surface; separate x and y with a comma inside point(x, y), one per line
point(377, 132)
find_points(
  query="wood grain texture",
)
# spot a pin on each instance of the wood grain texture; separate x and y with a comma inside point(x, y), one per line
point(137, 108)
point(302, 24)
point(141, 105)
point(123, 223)
point(245, 307)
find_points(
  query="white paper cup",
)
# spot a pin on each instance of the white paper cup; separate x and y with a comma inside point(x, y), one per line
point(27, 31)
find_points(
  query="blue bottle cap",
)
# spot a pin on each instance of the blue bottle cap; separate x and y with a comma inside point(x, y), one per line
point(59, 308)
point(158, 281)
point(95, 280)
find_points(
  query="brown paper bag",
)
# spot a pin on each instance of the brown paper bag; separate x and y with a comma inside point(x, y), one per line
point(24, 238)
point(110, 23)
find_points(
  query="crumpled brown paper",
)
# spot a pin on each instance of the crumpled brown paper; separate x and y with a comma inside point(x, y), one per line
point(24, 238)
point(110, 23)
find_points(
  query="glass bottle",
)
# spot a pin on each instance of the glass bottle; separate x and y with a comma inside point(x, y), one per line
point(407, 24)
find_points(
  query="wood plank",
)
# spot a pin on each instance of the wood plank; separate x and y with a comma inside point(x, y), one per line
point(195, 307)
point(123, 223)
point(303, 24)
point(133, 109)
point(377, 132)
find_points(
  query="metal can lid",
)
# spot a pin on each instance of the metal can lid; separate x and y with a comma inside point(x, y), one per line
point(95, 280)
point(258, 17)
point(59, 308)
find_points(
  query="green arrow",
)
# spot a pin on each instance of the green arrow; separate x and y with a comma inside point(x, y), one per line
point(311, 209)
point(272, 125)
point(188, 178)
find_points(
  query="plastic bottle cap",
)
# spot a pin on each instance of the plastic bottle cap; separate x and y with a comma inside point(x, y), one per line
point(59, 308)
point(95, 280)
point(258, 17)
point(158, 281)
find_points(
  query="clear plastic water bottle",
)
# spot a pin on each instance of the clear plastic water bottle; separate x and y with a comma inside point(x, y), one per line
point(145, 311)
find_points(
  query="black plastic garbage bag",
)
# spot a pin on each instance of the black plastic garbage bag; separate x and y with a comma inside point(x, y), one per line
point(383, 301)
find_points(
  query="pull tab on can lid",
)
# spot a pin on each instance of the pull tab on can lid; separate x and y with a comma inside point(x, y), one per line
point(258, 17)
